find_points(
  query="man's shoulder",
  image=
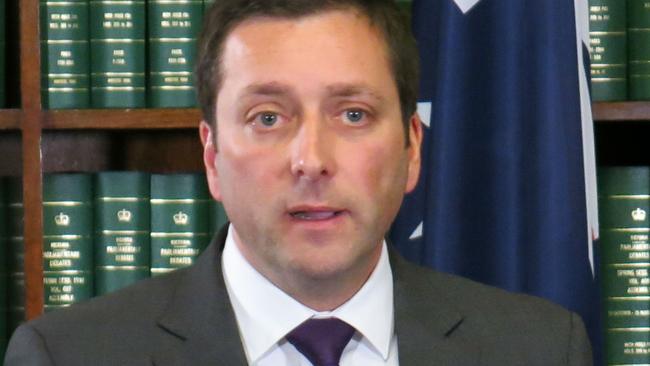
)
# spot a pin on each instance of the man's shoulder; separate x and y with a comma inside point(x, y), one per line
point(120, 326)
point(505, 327)
point(133, 305)
point(471, 297)
point(169, 319)
point(495, 325)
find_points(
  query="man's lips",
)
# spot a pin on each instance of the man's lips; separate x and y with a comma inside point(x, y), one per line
point(314, 213)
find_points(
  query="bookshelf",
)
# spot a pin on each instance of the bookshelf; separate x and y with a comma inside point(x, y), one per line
point(10, 119)
point(621, 111)
point(37, 141)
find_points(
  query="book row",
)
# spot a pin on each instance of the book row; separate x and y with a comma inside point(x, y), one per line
point(105, 231)
point(119, 53)
point(102, 232)
point(624, 207)
point(619, 32)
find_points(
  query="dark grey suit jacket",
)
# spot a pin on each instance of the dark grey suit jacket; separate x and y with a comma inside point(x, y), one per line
point(185, 318)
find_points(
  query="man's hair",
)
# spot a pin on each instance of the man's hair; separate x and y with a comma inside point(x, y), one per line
point(384, 15)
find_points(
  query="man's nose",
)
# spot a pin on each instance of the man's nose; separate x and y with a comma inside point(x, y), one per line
point(313, 150)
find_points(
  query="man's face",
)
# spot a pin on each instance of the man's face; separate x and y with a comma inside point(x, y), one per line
point(310, 161)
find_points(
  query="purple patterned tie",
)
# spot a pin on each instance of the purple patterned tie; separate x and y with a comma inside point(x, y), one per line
point(321, 340)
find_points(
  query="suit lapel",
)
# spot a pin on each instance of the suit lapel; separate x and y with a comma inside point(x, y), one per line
point(200, 318)
point(426, 323)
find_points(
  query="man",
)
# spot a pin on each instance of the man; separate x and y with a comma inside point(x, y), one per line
point(310, 141)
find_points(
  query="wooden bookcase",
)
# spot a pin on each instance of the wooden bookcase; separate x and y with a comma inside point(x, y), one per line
point(36, 141)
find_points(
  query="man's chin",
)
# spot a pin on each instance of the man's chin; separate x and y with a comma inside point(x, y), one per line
point(320, 270)
point(331, 265)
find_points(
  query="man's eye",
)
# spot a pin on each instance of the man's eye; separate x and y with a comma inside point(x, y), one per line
point(354, 115)
point(267, 119)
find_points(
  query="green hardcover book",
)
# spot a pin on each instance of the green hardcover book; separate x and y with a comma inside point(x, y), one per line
point(16, 253)
point(608, 52)
point(624, 204)
point(3, 52)
point(117, 61)
point(218, 217)
point(67, 239)
point(122, 221)
point(638, 43)
point(173, 30)
point(179, 220)
point(3, 268)
point(65, 54)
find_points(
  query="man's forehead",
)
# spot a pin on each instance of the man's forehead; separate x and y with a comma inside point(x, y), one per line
point(254, 26)
point(256, 51)
point(298, 18)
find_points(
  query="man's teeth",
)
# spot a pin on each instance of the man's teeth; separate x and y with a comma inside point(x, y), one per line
point(314, 215)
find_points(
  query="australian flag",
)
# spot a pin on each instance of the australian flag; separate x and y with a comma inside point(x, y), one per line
point(508, 192)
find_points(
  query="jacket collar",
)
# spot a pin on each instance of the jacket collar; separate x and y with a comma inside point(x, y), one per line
point(200, 316)
point(427, 323)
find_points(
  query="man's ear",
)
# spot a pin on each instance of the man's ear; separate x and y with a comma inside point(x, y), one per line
point(209, 159)
point(414, 158)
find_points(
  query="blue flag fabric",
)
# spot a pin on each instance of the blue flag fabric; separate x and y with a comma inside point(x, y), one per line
point(507, 194)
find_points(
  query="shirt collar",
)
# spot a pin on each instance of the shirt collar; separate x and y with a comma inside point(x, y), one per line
point(265, 313)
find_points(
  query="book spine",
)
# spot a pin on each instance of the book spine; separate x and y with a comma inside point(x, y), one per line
point(122, 223)
point(3, 52)
point(179, 220)
point(65, 54)
point(218, 217)
point(173, 30)
point(67, 239)
point(16, 253)
point(117, 45)
point(608, 50)
point(638, 37)
point(625, 246)
point(3, 268)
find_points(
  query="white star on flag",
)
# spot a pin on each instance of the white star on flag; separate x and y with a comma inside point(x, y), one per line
point(417, 233)
point(424, 111)
point(465, 5)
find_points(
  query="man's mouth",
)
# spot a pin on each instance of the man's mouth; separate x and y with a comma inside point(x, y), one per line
point(314, 215)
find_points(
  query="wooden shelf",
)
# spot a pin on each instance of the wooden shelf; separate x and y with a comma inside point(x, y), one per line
point(10, 119)
point(121, 119)
point(621, 111)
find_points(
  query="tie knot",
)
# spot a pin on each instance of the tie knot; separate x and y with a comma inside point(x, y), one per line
point(321, 340)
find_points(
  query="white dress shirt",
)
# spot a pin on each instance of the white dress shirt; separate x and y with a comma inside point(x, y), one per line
point(265, 314)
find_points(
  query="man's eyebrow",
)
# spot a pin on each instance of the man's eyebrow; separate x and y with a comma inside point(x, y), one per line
point(335, 90)
point(270, 88)
point(351, 90)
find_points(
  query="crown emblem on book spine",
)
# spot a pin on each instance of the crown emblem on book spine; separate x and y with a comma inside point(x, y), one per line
point(124, 215)
point(181, 218)
point(638, 215)
point(62, 219)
